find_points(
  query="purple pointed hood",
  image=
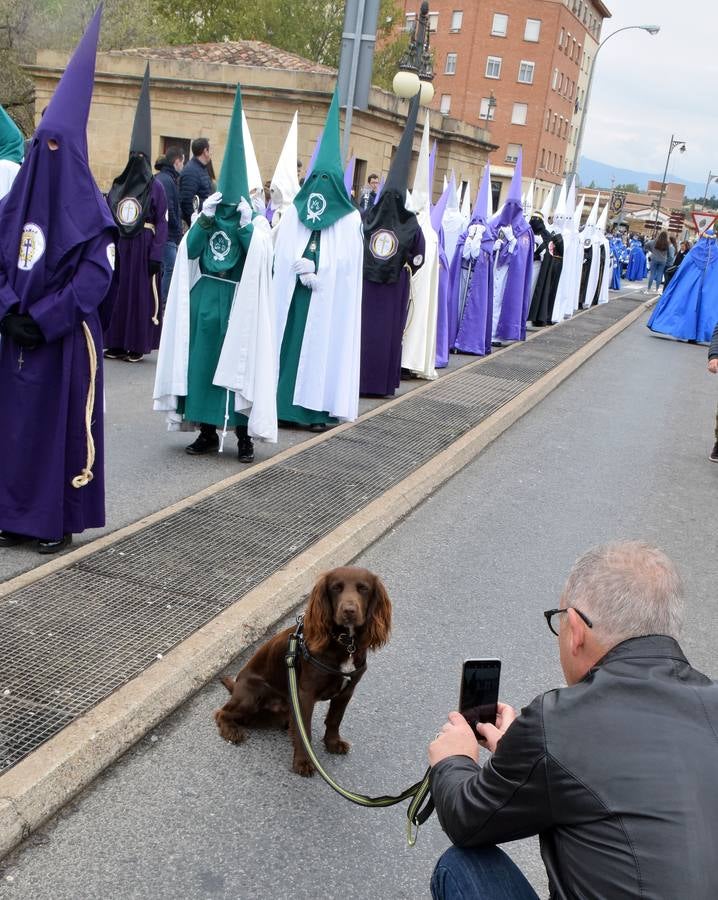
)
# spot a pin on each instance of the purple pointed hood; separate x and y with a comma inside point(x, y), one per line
point(349, 175)
point(512, 212)
point(54, 204)
point(437, 212)
point(315, 153)
point(480, 214)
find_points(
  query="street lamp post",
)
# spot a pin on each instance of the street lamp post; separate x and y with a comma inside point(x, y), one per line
point(711, 177)
point(415, 69)
point(674, 144)
point(652, 30)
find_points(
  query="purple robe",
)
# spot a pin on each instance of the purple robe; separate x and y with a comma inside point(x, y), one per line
point(43, 393)
point(511, 325)
point(442, 315)
point(384, 313)
point(57, 250)
point(472, 278)
point(131, 327)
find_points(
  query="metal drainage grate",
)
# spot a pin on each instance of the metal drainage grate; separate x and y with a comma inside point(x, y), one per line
point(71, 639)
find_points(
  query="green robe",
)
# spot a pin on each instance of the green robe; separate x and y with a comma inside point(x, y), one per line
point(210, 305)
point(287, 410)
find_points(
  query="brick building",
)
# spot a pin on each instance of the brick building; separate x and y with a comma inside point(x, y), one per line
point(520, 67)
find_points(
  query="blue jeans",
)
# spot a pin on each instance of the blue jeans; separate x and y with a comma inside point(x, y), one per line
point(486, 873)
point(655, 273)
point(168, 263)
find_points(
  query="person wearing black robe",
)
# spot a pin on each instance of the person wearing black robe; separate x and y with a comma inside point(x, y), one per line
point(549, 247)
point(393, 252)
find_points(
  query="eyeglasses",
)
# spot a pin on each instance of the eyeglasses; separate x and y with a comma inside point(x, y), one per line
point(550, 613)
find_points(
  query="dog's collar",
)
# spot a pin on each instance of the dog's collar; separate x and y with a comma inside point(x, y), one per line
point(303, 650)
point(347, 641)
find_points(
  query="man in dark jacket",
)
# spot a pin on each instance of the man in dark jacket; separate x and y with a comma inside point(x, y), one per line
point(195, 180)
point(169, 167)
point(617, 773)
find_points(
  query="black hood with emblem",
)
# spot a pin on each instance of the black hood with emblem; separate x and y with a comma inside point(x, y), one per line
point(129, 196)
point(390, 229)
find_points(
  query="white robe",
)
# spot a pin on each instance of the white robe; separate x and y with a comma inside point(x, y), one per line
point(247, 363)
point(8, 171)
point(328, 372)
point(419, 348)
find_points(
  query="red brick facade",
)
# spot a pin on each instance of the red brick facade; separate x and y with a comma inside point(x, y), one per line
point(540, 45)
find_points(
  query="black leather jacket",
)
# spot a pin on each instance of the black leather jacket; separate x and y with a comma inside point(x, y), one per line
point(618, 775)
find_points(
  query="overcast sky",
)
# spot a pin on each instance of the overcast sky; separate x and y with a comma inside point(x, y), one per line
point(647, 88)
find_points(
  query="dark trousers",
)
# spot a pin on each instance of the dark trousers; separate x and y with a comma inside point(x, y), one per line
point(485, 873)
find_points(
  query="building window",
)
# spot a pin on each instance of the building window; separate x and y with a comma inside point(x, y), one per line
point(548, 118)
point(445, 105)
point(553, 124)
point(433, 21)
point(519, 113)
point(409, 22)
point(500, 25)
point(554, 82)
point(486, 110)
point(532, 29)
point(512, 152)
point(543, 157)
point(526, 72)
point(493, 67)
point(457, 20)
point(450, 68)
point(560, 84)
point(561, 38)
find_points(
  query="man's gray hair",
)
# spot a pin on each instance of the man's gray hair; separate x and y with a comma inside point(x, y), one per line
point(627, 589)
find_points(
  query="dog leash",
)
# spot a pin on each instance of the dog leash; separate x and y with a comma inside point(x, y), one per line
point(421, 805)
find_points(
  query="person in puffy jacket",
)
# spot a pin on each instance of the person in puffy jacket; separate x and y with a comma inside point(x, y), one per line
point(195, 180)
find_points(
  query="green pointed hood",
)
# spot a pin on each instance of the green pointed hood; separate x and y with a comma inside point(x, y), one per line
point(323, 199)
point(233, 182)
point(12, 145)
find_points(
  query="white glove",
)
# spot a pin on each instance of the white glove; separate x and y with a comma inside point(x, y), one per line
point(245, 213)
point(258, 203)
point(476, 241)
point(304, 267)
point(209, 207)
point(498, 244)
point(309, 280)
point(467, 243)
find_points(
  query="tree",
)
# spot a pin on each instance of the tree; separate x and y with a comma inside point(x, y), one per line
point(629, 188)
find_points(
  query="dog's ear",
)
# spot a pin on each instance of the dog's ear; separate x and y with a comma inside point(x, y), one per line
point(318, 618)
point(378, 616)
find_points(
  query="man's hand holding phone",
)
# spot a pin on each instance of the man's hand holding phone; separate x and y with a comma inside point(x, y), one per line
point(455, 739)
point(490, 735)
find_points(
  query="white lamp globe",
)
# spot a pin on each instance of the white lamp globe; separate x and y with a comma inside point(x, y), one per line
point(405, 84)
point(427, 93)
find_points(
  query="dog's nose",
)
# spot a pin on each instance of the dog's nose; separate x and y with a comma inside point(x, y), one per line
point(349, 614)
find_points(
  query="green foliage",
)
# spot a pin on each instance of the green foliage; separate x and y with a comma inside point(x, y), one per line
point(629, 188)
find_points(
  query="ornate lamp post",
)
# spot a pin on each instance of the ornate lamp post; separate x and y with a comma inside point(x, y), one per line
point(711, 177)
point(674, 144)
point(415, 69)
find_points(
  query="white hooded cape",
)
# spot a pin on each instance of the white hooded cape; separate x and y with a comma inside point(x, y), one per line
point(328, 373)
point(8, 171)
point(247, 363)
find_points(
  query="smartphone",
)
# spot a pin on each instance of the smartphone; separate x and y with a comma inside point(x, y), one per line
point(479, 694)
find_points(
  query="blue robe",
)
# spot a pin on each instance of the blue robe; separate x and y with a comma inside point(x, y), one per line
point(688, 308)
point(616, 249)
point(636, 263)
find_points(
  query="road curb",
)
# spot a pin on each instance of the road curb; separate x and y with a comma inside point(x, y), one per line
point(38, 786)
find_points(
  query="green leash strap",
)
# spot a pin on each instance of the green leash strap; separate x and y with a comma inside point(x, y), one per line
point(418, 792)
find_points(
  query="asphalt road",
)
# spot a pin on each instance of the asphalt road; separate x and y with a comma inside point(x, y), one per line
point(619, 450)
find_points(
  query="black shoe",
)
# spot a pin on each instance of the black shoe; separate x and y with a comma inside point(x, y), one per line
point(12, 539)
point(114, 353)
point(714, 453)
point(318, 427)
point(47, 547)
point(207, 442)
point(133, 357)
point(245, 449)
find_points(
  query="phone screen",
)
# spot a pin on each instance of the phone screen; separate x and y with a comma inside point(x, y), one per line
point(479, 690)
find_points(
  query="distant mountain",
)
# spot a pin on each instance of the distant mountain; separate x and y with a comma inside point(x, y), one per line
point(591, 170)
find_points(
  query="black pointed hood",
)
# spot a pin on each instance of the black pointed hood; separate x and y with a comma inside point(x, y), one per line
point(390, 229)
point(129, 196)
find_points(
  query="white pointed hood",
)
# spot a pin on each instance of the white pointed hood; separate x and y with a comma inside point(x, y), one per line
point(546, 208)
point(420, 197)
point(603, 220)
point(578, 212)
point(466, 204)
point(593, 215)
point(529, 202)
point(253, 175)
point(285, 184)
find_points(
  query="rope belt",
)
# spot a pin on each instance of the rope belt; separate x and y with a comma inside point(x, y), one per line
point(155, 315)
point(150, 227)
point(418, 792)
point(86, 476)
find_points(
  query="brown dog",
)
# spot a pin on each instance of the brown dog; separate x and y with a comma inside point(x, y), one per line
point(349, 612)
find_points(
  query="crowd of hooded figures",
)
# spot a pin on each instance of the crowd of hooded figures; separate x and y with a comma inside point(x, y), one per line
point(269, 319)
